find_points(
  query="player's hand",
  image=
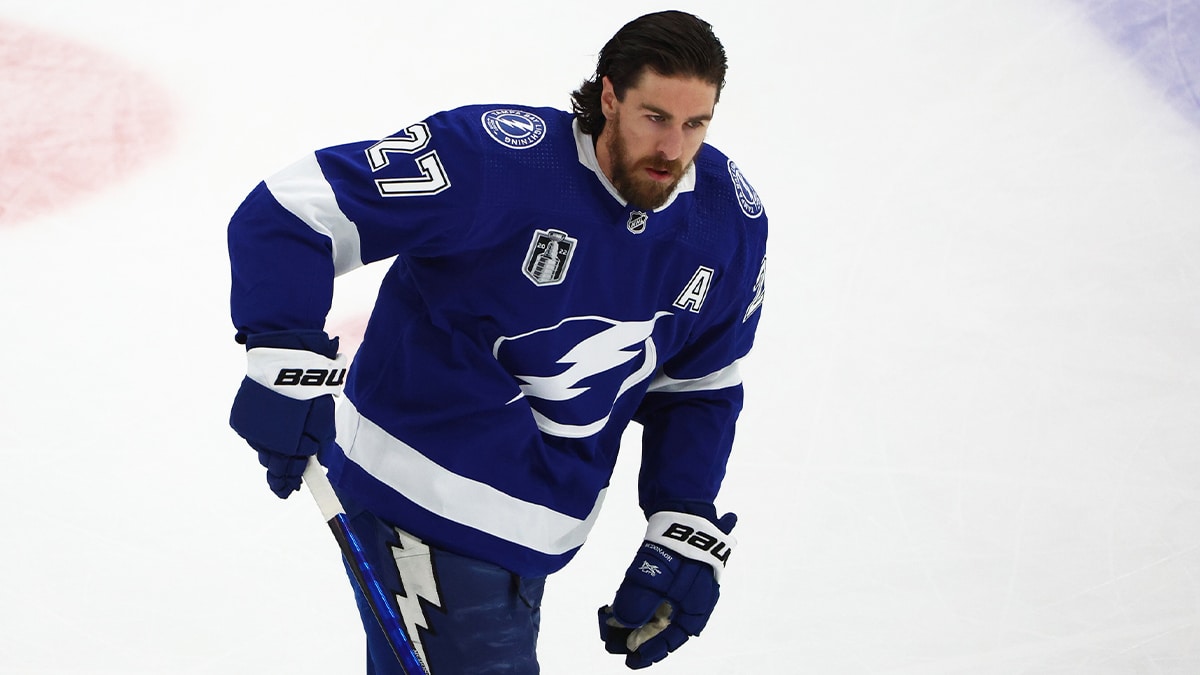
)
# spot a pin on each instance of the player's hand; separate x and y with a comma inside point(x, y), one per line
point(284, 408)
point(671, 588)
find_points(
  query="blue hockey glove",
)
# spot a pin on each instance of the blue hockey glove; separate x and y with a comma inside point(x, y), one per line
point(671, 588)
point(284, 407)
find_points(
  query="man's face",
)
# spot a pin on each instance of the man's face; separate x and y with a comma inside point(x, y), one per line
point(651, 137)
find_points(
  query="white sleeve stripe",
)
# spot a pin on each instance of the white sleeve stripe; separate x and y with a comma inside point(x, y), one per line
point(302, 189)
point(457, 498)
point(728, 376)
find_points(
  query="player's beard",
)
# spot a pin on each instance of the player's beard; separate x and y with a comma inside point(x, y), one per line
point(629, 176)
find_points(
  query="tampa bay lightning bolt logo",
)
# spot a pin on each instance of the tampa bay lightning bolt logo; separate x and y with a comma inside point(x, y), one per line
point(516, 129)
point(565, 390)
point(419, 586)
point(747, 198)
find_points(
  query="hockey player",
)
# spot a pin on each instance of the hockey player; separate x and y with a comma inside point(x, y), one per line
point(556, 275)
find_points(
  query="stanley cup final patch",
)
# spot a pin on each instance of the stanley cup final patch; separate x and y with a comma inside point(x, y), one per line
point(549, 256)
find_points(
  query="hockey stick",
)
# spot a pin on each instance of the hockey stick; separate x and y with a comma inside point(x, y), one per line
point(364, 574)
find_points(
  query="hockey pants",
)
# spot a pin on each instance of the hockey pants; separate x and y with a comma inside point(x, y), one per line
point(463, 616)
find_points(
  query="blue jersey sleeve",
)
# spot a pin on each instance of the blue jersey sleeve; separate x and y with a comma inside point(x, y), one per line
point(282, 270)
point(345, 206)
point(691, 408)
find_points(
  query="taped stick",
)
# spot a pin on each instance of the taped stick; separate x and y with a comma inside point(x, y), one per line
point(364, 575)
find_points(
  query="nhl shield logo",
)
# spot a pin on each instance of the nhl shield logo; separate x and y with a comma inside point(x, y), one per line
point(637, 222)
point(549, 255)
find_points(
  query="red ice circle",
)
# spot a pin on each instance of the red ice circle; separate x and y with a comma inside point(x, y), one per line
point(73, 119)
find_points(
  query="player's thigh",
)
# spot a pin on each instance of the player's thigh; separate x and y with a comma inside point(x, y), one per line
point(462, 615)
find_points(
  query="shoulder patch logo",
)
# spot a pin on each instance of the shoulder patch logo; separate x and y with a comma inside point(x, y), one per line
point(747, 198)
point(516, 129)
point(549, 255)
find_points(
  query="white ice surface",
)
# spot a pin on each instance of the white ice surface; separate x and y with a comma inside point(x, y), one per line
point(973, 415)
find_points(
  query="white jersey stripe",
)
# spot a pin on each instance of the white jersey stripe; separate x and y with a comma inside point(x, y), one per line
point(302, 189)
point(728, 376)
point(457, 498)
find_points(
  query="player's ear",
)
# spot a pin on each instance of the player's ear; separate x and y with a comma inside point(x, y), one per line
point(608, 98)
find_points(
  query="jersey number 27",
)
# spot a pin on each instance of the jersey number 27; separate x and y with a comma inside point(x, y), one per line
point(433, 178)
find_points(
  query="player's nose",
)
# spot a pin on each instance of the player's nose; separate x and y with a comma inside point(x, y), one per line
point(670, 144)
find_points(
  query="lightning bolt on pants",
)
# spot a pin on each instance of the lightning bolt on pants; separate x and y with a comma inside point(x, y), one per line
point(463, 615)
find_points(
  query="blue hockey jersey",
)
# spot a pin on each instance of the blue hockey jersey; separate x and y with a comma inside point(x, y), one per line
point(529, 315)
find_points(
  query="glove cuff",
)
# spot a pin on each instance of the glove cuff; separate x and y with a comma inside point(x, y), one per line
point(312, 340)
point(296, 373)
point(692, 537)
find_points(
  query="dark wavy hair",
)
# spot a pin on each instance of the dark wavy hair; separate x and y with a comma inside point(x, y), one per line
point(671, 43)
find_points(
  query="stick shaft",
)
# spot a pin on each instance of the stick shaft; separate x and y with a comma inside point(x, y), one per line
point(364, 574)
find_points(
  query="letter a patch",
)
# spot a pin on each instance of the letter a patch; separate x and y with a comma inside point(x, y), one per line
point(692, 296)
